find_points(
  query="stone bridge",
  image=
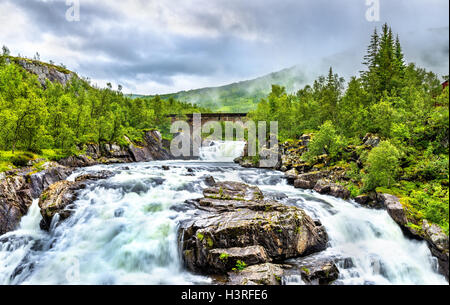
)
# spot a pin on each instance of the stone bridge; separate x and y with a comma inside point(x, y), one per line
point(219, 117)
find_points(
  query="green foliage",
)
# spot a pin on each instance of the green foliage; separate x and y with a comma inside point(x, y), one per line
point(36, 118)
point(240, 265)
point(326, 141)
point(403, 104)
point(224, 256)
point(382, 166)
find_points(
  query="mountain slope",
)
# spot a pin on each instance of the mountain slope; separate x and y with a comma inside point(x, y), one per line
point(242, 96)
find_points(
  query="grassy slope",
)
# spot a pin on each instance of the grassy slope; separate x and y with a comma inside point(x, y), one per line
point(242, 96)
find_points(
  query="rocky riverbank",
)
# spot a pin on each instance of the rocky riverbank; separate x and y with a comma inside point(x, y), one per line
point(331, 180)
point(19, 187)
point(246, 239)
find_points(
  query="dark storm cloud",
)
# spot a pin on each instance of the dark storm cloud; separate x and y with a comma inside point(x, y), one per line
point(230, 39)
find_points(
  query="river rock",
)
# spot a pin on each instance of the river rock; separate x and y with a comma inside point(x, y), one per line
point(55, 199)
point(262, 274)
point(291, 175)
point(438, 244)
point(58, 197)
point(311, 178)
point(78, 161)
point(304, 184)
point(394, 208)
point(332, 189)
point(238, 222)
point(320, 274)
point(40, 181)
point(15, 199)
point(436, 235)
point(226, 259)
point(369, 200)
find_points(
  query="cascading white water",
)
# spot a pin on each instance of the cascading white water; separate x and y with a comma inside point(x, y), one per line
point(124, 231)
point(222, 151)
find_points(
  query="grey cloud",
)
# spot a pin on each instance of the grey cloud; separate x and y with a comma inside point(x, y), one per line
point(253, 37)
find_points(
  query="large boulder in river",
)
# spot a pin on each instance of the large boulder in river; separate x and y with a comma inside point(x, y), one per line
point(56, 199)
point(237, 224)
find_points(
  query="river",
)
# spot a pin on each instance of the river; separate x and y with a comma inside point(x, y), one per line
point(124, 229)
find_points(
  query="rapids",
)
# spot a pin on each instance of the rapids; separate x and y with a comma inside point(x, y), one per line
point(124, 229)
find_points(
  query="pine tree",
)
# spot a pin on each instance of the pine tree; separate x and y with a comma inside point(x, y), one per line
point(372, 51)
point(385, 60)
point(399, 58)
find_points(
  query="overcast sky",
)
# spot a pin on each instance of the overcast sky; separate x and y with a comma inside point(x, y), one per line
point(170, 45)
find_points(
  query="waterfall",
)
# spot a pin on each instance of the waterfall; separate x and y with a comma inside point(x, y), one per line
point(222, 151)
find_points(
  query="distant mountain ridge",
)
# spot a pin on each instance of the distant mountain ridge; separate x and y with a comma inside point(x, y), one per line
point(241, 96)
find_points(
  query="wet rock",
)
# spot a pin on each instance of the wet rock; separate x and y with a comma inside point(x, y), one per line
point(332, 189)
point(246, 162)
point(438, 244)
point(40, 181)
point(153, 141)
point(165, 167)
point(105, 174)
point(312, 178)
point(394, 208)
point(291, 175)
point(369, 201)
point(237, 217)
point(233, 191)
point(15, 199)
point(55, 199)
point(436, 235)
point(77, 161)
point(262, 274)
point(119, 212)
point(139, 154)
point(304, 184)
point(226, 259)
point(321, 274)
point(209, 181)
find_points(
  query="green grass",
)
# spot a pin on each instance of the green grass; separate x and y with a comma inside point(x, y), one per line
point(7, 157)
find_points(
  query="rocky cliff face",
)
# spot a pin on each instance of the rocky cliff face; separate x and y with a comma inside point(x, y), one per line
point(149, 150)
point(46, 71)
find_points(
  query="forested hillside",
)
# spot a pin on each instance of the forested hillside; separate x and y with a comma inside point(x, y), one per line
point(242, 96)
point(404, 105)
point(53, 120)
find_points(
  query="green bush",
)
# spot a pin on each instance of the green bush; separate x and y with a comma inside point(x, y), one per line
point(326, 141)
point(382, 166)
